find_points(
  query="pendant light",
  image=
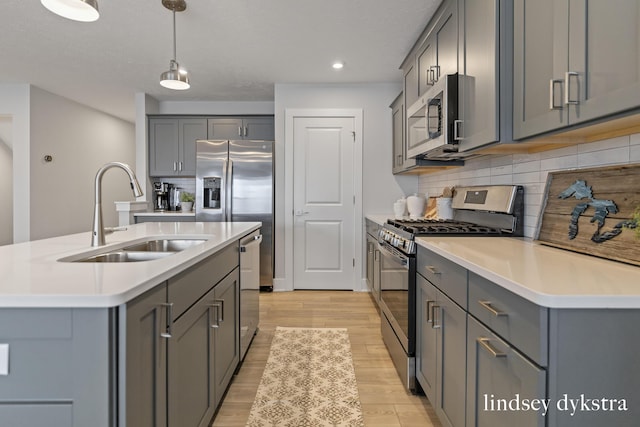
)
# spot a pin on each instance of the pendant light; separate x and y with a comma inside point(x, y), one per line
point(175, 78)
point(76, 10)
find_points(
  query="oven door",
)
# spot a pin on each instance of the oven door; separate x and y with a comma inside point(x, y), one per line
point(397, 294)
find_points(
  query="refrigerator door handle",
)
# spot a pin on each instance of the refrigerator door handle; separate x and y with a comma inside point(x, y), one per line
point(229, 201)
point(223, 200)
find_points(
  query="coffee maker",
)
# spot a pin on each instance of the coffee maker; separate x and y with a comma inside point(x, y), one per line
point(161, 200)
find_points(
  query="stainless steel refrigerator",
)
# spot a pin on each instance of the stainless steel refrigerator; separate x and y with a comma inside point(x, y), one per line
point(234, 182)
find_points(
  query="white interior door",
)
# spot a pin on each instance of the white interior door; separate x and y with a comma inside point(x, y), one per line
point(323, 203)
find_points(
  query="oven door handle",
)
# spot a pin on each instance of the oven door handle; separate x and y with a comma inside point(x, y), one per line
point(400, 258)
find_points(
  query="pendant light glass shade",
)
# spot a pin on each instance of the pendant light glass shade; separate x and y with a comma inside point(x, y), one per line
point(175, 78)
point(77, 10)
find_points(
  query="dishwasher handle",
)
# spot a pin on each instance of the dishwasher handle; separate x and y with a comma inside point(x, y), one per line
point(255, 240)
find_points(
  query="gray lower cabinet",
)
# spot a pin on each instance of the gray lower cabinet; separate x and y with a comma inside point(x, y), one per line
point(146, 360)
point(164, 218)
point(60, 367)
point(577, 68)
point(441, 352)
point(373, 260)
point(182, 345)
point(499, 375)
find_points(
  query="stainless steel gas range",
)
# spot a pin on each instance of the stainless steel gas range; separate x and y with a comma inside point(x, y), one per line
point(483, 211)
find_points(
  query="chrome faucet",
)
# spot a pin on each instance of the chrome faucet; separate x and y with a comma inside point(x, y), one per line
point(98, 230)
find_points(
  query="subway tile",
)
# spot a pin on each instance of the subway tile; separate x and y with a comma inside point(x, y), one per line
point(634, 139)
point(524, 158)
point(604, 157)
point(565, 151)
point(501, 161)
point(529, 166)
point(559, 163)
point(502, 170)
point(501, 179)
point(526, 178)
point(607, 144)
point(634, 153)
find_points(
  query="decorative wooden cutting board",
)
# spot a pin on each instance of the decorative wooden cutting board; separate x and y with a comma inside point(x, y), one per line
point(592, 211)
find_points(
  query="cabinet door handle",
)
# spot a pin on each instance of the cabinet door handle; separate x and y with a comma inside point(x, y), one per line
point(457, 130)
point(567, 88)
point(175, 166)
point(428, 310)
point(239, 130)
point(376, 255)
point(431, 269)
point(434, 319)
point(487, 305)
point(216, 316)
point(180, 166)
point(485, 343)
point(399, 160)
point(220, 302)
point(552, 94)
point(169, 307)
point(246, 130)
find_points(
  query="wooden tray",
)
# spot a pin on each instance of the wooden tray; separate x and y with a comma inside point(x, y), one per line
point(577, 201)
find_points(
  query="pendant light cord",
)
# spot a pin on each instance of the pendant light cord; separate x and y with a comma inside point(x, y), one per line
point(174, 35)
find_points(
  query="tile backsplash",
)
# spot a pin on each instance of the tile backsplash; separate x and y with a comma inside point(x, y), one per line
point(530, 170)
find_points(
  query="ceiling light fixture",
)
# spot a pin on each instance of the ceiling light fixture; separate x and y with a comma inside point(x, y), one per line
point(175, 78)
point(338, 65)
point(76, 10)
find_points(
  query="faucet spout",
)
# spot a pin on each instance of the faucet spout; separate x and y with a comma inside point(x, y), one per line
point(97, 233)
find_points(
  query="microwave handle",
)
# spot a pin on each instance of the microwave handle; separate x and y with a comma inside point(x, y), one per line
point(457, 130)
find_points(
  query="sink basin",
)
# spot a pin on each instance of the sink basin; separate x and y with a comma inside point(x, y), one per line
point(125, 256)
point(164, 245)
point(147, 250)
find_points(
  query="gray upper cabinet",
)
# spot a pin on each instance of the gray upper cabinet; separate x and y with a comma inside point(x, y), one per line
point(584, 66)
point(172, 145)
point(234, 128)
point(397, 125)
point(438, 54)
point(485, 58)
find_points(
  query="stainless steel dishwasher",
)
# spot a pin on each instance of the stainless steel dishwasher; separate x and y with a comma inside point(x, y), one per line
point(249, 289)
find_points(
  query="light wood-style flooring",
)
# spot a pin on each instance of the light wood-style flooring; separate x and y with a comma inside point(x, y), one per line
point(383, 398)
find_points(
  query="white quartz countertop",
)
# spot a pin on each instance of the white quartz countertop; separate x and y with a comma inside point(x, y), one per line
point(31, 274)
point(547, 276)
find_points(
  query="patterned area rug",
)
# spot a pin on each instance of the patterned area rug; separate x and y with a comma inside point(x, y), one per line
point(308, 381)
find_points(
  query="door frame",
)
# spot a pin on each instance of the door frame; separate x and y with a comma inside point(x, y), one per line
point(290, 115)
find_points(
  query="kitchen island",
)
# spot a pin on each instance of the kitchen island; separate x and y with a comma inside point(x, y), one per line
point(106, 344)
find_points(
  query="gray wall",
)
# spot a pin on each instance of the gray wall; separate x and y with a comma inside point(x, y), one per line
point(56, 198)
point(80, 140)
point(379, 187)
point(6, 181)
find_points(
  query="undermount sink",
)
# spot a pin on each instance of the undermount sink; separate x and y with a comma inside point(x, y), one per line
point(164, 245)
point(125, 256)
point(147, 250)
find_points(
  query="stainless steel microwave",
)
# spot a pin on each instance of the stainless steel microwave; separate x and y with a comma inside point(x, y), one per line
point(432, 121)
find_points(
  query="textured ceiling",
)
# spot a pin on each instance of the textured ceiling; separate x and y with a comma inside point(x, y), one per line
point(235, 50)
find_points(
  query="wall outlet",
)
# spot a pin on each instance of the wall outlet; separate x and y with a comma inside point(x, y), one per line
point(4, 359)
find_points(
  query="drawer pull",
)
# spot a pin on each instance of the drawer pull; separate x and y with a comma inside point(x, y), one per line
point(487, 305)
point(485, 342)
point(431, 269)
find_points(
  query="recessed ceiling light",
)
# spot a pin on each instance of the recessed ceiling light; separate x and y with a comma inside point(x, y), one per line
point(338, 65)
